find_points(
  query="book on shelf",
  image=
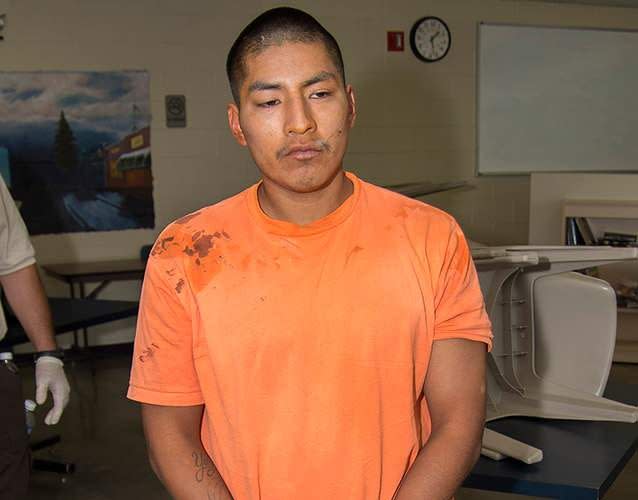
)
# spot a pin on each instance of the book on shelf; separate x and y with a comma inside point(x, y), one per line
point(585, 230)
point(573, 236)
point(619, 239)
point(629, 237)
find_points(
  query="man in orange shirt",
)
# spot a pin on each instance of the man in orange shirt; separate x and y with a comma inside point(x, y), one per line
point(315, 336)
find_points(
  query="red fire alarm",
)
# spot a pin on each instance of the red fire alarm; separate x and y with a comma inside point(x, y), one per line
point(395, 41)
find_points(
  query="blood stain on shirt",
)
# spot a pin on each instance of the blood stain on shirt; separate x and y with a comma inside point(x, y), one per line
point(401, 213)
point(148, 352)
point(163, 245)
point(203, 244)
point(355, 250)
point(245, 262)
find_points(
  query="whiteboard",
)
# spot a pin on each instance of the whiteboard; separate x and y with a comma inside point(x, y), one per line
point(556, 100)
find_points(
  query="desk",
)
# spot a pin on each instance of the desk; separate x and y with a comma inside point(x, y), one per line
point(580, 459)
point(71, 314)
point(102, 272)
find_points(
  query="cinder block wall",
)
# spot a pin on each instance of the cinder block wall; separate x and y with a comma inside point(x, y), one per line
point(416, 121)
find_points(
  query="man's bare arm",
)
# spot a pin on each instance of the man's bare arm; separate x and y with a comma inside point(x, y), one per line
point(177, 455)
point(26, 296)
point(455, 391)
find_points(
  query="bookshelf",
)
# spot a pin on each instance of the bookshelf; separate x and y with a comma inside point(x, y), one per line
point(619, 216)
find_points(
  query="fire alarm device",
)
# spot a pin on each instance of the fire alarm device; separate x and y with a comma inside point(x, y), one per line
point(396, 41)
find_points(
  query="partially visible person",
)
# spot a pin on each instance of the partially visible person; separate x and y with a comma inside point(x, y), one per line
point(23, 289)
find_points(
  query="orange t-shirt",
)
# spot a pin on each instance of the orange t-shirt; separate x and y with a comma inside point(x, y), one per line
point(308, 345)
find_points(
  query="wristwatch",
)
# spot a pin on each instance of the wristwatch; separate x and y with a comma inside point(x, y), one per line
point(58, 353)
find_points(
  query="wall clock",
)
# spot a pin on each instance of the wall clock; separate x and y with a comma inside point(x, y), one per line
point(430, 39)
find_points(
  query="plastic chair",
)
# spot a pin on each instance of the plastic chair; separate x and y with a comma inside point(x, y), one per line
point(535, 356)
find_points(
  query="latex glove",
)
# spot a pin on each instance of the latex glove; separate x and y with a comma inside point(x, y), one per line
point(49, 376)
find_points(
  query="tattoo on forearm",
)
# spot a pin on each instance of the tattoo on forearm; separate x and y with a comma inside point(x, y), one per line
point(204, 467)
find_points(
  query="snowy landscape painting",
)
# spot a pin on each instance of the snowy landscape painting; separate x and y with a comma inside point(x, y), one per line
point(75, 149)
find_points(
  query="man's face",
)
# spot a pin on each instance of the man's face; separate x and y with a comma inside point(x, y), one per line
point(294, 116)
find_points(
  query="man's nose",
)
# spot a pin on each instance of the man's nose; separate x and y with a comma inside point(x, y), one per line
point(299, 119)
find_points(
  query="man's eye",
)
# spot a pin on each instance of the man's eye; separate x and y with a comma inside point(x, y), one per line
point(268, 104)
point(320, 95)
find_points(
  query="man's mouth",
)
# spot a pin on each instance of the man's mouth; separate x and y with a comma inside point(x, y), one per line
point(301, 151)
point(304, 154)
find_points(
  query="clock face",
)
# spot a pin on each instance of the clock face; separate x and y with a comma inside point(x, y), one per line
point(430, 39)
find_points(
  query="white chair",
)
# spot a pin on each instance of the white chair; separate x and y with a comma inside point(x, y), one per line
point(554, 335)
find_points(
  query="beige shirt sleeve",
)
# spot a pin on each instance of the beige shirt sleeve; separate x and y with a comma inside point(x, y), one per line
point(16, 251)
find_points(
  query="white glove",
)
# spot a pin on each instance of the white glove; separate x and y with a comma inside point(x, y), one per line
point(49, 376)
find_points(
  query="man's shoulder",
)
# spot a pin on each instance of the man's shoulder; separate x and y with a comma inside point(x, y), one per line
point(404, 208)
point(200, 227)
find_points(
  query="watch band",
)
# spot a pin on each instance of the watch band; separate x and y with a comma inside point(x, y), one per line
point(58, 353)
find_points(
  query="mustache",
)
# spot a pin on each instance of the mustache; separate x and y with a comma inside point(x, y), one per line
point(316, 145)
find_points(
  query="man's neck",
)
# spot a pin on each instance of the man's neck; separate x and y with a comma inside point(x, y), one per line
point(304, 208)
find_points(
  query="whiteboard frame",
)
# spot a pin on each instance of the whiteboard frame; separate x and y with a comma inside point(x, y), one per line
point(477, 171)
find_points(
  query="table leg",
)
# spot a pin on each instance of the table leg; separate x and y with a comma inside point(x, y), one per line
point(75, 332)
point(84, 332)
point(97, 290)
point(85, 335)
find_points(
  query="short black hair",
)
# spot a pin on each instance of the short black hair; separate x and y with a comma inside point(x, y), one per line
point(275, 27)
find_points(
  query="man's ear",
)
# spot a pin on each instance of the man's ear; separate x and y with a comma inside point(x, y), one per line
point(352, 107)
point(233, 123)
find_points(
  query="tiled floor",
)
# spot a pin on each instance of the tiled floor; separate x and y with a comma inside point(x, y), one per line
point(102, 434)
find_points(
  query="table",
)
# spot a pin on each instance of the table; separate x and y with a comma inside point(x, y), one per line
point(72, 314)
point(102, 272)
point(580, 459)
